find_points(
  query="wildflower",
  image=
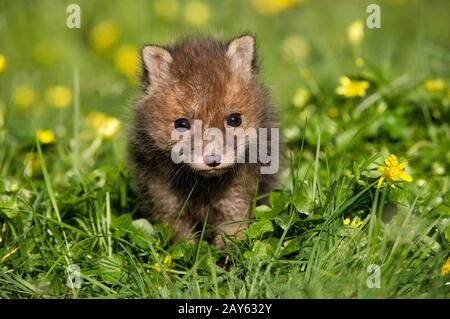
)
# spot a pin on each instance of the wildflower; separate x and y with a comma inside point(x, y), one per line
point(166, 9)
point(95, 119)
point(103, 35)
point(445, 270)
point(355, 32)
point(59, 96)
point(127, 61)
point(393, 170)
point(359, 62)
point(434, 86)
point(301, 97)
point(2, 63)
point(272, 7)
point(23, 96)
point(355, 223)
point(104, 125)
point(294, 47)
point(167, 261)
point(197, 13)
point(109, 128)
point(166, 264)
point(45, 136)
point(351, 88)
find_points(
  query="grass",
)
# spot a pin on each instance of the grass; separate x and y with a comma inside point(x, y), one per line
point(72, 201)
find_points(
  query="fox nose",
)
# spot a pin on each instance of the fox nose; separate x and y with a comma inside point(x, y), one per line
point(212, 160)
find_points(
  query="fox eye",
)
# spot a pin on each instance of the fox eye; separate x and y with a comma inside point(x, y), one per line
point(234, 119)
point(182, 124)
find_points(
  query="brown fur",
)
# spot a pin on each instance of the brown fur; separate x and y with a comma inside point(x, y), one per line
point(198, 83)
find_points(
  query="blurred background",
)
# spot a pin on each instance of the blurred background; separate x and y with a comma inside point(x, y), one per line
point(301, 44)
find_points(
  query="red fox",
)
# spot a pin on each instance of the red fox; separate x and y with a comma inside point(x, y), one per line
point(214, 83)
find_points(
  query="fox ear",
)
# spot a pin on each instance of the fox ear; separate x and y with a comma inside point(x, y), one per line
point(241, 52)
point(156, 62)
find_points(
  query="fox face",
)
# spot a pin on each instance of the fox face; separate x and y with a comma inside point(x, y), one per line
point(203, 101)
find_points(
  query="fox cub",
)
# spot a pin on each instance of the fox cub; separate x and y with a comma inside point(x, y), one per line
point(214, 83)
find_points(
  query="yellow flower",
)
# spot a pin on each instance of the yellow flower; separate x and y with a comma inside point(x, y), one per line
point(197, 13)
point(446, 267)
point(2, 63)
point(110, 127)
point(104, 125)
point(167, 261)
point(166, 9)
point(393, 170)
point(356, 222)
point(166, 264)
point(45, 136)
point(301, 97)
point(272, 7)
point(435, 85)
point(127, 61)
point(103, 35)
point(355, 32)
point(350, 88)
point(95, 119)
point(294, 47)
point(23, 96)
point(59, 96)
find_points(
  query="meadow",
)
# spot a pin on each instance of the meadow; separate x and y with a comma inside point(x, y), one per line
point(363, 209)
